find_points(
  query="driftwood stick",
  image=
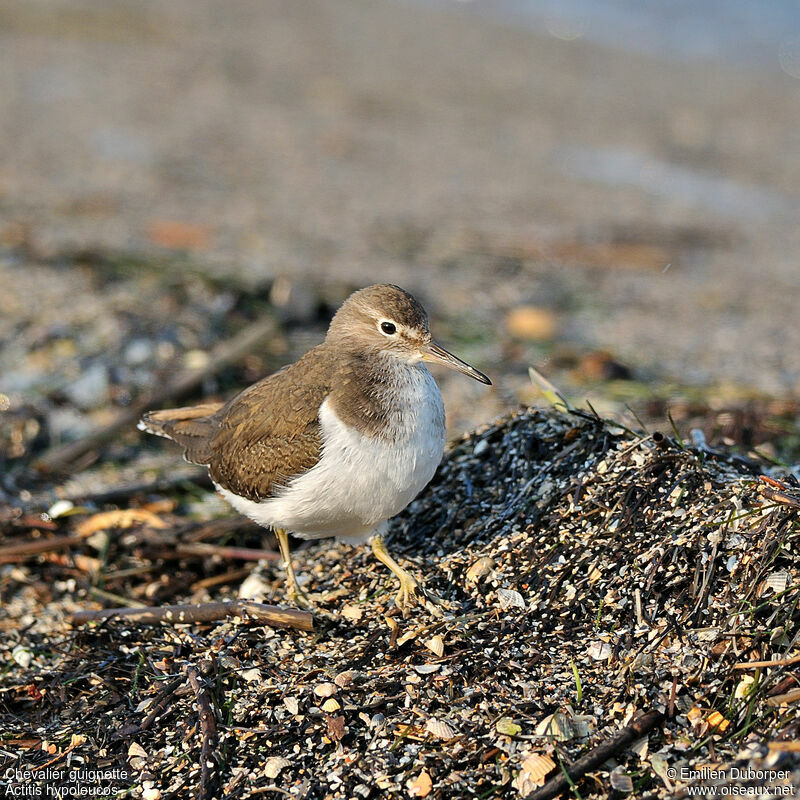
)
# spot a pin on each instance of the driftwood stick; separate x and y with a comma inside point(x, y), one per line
point(779, 662)
point(792, 696)
point(61, 458)
point(160, 703)
point(772, 482)
point(230, 553)
point(784, 747)
point(198, 550)
point(35, 546)
point(156, 707)
point(630, 733)
point(234, 576)
point(208, 728)
point(777, 496)
point(204, 612)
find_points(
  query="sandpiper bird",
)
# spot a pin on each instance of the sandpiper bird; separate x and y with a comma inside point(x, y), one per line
point(338, 442)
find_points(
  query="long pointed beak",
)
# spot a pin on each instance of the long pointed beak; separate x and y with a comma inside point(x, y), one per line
point(434, 354)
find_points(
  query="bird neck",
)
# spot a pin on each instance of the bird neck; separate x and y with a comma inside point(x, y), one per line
point(371, 390)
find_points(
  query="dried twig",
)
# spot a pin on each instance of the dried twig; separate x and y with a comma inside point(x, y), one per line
point(55, 758)
point(784, 747)
point(62, 457)
point(777, 492)
point(788, 697)
point(204, 612)
point(772, 482)
point(160, 702)
point(233, 576)
point(33, 547)
point(208, 728)
point(783, 686)
point(24, 743)
point(630, 733)
point(200, 550)
point(231, 553)
point(780, 662)
point(156, 708)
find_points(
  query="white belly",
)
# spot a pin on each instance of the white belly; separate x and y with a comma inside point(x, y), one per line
point(360, 481)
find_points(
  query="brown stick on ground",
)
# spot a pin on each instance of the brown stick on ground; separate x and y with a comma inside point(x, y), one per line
point(791, 696)
point(784, 747)
point(203, 551)
point(205, 612)
point(778, 496)
point(234, 576)
point(630, 733)
point(208, 728)
point(60, 459)
point(779, 662)
point(228, 553)
point(35, 546)
point(156, 707)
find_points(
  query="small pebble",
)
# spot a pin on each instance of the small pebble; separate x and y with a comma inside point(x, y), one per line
point(481, 448)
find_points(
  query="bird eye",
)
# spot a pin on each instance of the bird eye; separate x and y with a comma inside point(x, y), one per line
point(389, 328)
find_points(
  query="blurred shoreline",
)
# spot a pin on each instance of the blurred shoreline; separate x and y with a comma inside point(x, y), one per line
point(627, 205)
point(761, 35)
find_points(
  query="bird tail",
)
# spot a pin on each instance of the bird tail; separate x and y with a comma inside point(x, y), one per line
point(192, 427)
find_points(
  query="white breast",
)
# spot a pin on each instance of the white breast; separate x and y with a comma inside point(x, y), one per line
point(361, 481)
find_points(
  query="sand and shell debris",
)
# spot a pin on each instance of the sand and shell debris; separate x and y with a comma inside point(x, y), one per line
point(590, 575)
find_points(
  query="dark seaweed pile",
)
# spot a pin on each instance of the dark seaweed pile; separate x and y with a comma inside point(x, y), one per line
point(590, 574)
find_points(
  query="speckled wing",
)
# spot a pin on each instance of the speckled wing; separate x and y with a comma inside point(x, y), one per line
point(263, 437)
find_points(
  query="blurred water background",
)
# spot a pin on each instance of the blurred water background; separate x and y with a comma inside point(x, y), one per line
point(759, 34)
point(607, 190)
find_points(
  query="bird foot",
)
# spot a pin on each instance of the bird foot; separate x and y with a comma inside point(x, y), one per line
point(407, 593)
point(410, 592)
point(297, 597)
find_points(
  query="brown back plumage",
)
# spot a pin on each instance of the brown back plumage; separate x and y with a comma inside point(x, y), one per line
point(260, 439)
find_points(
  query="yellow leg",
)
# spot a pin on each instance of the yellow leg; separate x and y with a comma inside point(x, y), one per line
point(408, 586)
point(296, 595)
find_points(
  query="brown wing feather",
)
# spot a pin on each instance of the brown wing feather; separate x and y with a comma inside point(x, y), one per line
point(192, 427)
point(260, 439)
